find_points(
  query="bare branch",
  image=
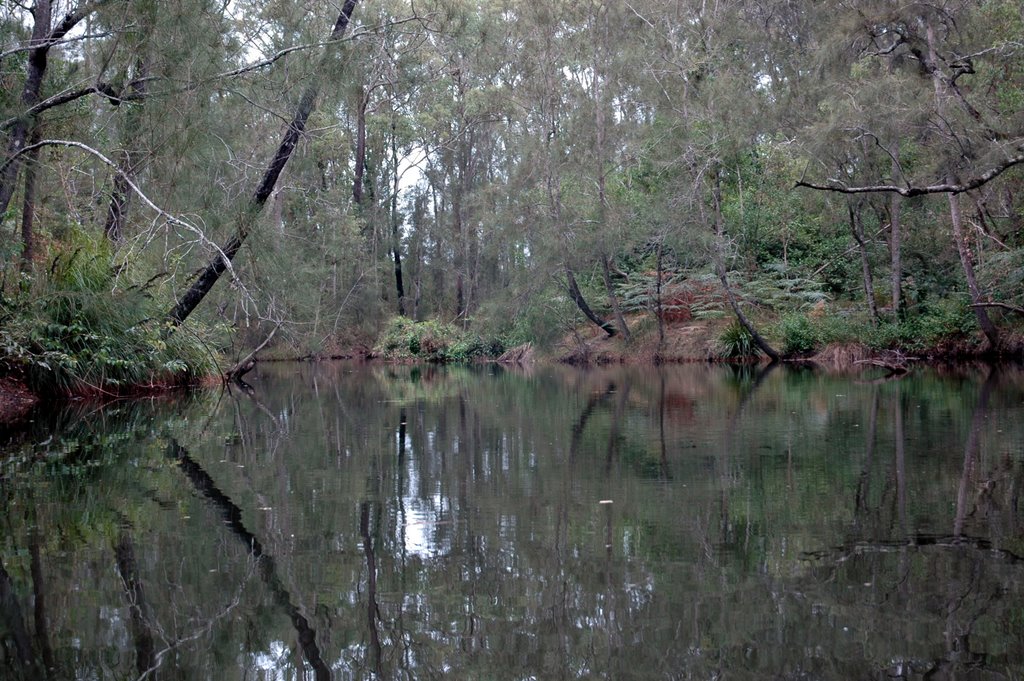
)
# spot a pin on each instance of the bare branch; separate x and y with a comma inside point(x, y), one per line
point(53, 43)
point(834, 185)
point(106, 89)
point(171, 219)
point(1002, 306)
point(244, 366)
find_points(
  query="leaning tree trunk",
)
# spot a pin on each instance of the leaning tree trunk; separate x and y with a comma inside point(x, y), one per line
point(247, 218)
point(581, 303)
point(964, 251)
point(723, 276)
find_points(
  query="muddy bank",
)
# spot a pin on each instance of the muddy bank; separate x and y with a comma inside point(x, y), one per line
point(16, 401)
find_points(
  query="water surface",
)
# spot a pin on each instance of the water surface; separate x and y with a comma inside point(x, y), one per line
point(354, 522)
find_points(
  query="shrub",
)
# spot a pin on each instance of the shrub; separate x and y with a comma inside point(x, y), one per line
point(433, 341)
point(799, 335)
point(925, 326)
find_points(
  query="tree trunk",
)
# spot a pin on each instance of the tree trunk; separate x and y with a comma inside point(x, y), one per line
point(138, 606)
point(896, 239)
point(42, 17)
point(396, 236)
point(43, 37)
point(28, 211)
point(581, 303)
point(113, 229)
point(602, 197)
point(724, 277)
point(247, 218)
point(964, 251)
point(360, 160)
point(40, 614)
point(13, 619)
point(980, 313)
point(659, 310)
point(620, 320)
point(857, 227)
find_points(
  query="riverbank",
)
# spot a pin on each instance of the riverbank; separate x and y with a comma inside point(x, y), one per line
point(16, 401)
point(691, 341)
point(702, 341)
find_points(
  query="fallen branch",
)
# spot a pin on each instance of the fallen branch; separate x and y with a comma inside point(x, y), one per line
point(244, 366)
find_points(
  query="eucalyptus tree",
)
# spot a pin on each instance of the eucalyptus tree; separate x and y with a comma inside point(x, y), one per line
point(711, 94)
point(552, 89)
point(459, 109)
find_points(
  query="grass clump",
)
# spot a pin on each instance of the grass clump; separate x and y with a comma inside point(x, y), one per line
point(735, 342)
point(78, 329)
point(433, 341)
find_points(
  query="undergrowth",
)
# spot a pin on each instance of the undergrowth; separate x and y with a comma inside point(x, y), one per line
point(924, 327)
point(433, 341)
point(77, 328)
point(735, 342)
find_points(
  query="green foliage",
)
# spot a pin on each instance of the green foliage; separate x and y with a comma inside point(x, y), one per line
point(779, 286)
point(82, 329)
point(735, 342)
point(925, 326)
point(685, 295)
point(433, 341)
point(799, 335)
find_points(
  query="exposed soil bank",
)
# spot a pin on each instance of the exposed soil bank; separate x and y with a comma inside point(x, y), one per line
point(16, 400)
point(697, 341)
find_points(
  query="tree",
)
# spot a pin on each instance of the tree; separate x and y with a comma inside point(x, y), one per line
point(45, 35)
point(949, 55)
point(245, 221)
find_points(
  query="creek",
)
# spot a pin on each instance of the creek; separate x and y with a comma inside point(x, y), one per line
point(416, 522)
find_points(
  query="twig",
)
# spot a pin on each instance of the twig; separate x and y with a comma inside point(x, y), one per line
point(245, 365)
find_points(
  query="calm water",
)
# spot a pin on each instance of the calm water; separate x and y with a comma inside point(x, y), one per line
point(471, 523)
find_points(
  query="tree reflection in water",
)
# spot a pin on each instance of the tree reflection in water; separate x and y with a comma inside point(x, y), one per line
point(409, 522)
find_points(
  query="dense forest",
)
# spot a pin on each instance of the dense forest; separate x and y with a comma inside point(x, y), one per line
point(447, 179)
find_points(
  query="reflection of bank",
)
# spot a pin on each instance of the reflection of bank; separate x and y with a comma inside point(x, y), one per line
point(265, 564)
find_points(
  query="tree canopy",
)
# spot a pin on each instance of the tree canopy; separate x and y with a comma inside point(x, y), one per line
point(517, 169)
